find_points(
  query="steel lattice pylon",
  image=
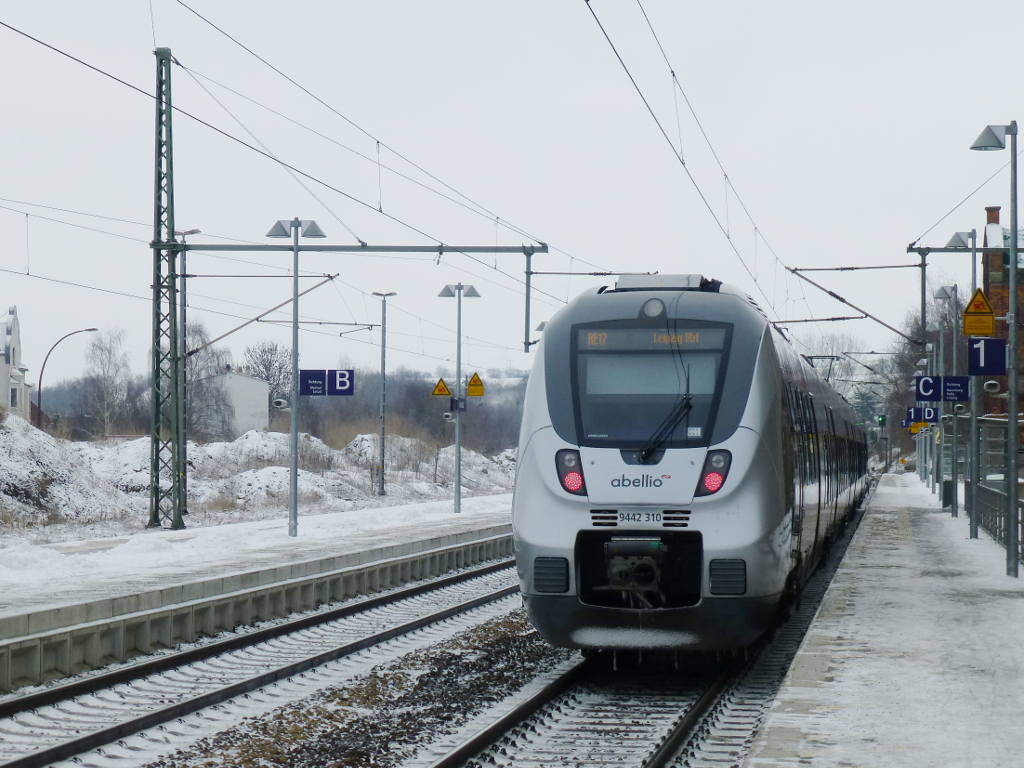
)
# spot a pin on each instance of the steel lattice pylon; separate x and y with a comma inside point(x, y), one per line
point(167, 458)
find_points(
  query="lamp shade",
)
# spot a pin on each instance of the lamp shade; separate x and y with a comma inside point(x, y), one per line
point(959, 240)
point(993, 137)
point(281, 228)
point(311, 229)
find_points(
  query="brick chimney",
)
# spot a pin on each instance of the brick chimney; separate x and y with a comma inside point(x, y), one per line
point(991, 214)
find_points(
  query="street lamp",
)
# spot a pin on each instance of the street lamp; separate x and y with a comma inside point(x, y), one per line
point(39, 383)
point(993, 138)
point(183, 358)
point(970, 240)
point(949, 293)
point(282, 228)
point(383, 385)
point(458, 290)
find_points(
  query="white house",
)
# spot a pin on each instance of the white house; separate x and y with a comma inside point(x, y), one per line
point(250, 399)
point(14, 386)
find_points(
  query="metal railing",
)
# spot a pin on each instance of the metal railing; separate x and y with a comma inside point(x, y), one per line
point(989, 501)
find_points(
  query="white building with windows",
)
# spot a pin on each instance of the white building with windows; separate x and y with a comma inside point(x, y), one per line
point(250, 400)
point(14, 386)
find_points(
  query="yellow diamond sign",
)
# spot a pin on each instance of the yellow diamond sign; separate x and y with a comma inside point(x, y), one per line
point(979, 317)
point(475, 388)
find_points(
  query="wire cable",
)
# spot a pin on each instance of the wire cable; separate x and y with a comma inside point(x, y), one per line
point(268, 156)
point(686, 169)
point(364, 131)
point(970, 194)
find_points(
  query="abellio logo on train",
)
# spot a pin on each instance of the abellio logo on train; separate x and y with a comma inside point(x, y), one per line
point(644, 481)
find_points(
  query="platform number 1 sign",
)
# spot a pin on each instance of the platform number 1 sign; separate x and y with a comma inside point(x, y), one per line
point(986, 357)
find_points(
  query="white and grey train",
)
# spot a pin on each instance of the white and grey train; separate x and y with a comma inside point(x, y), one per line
point(681, 469)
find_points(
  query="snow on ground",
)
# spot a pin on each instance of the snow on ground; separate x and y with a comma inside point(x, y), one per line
point(915, 657)
point(54, 490)
point(44, 480)
point(152, 559)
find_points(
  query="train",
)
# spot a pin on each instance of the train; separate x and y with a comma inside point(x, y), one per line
point(682, 469)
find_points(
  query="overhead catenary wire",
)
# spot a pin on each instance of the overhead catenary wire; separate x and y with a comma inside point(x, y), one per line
point(248, 262)
point(263, 146)
point(268, 156)
point(693, 181)
point(286, 270)
point(969, 195)
point(368, 134)
point(220, 313)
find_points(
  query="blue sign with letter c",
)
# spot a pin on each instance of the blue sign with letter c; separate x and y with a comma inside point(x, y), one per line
point(928, 389)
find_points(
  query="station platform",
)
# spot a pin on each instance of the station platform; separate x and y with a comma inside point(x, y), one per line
point(915, 657)
point(69, 607)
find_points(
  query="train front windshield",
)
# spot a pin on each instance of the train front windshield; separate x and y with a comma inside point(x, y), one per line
point(632, 383)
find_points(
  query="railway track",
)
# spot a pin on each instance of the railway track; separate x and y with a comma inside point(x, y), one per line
point(594, 716)
point(702, 715)
point(66, 721)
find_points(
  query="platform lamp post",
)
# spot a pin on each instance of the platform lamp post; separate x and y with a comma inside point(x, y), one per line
point(949, 293)
point(458, 290)
point(923, 442)
point(383, 381)
point(183, 355)
point(970, 240)
point(39, 383)
point(993, 138)
point(283, 228)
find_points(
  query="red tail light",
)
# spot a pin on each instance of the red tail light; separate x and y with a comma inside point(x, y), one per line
point(570, 472)
point(572, 481)
point(712, 482)
point(712, 476)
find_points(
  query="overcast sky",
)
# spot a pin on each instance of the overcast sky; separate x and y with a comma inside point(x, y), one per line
point(844, 128)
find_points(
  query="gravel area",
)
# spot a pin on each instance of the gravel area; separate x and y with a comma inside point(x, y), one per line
point(382, 718)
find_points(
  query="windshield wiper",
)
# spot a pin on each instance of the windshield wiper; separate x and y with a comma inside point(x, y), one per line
point(679, 412)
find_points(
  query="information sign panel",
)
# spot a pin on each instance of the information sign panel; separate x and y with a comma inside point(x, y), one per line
point(979, 317)
point(986, 357)
point(925, 415)
point(928, 389)
point(313, 382)
point(955, 389)
point(475, 388)
point(319, 382)
point(341, 381)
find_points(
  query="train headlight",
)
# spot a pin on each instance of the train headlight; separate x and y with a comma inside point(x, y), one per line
point(570, 472)
point(653, 308)
point(712, 476)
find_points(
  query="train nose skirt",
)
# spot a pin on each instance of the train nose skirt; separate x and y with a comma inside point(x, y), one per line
point(648, 570)
point(551, 574)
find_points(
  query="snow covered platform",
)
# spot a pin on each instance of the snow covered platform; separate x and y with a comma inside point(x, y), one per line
point(75, 605)
point(914, 658)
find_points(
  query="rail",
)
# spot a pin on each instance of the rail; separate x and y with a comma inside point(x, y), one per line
point(990, 507)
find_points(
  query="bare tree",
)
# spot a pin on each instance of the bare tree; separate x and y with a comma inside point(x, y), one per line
point(208, 409)
point(842, 372)
point(108, 372)
point(272, 363)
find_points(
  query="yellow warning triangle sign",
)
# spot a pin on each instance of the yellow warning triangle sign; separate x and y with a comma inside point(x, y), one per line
point(441, 389)
point(979, 304)
point(475, 388)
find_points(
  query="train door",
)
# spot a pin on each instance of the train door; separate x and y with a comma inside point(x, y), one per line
point(796, 439)
point(815, 469)
point(834, 476)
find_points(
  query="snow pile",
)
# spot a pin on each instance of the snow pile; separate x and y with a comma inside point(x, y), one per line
point(47, 480)
point(43, 481)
